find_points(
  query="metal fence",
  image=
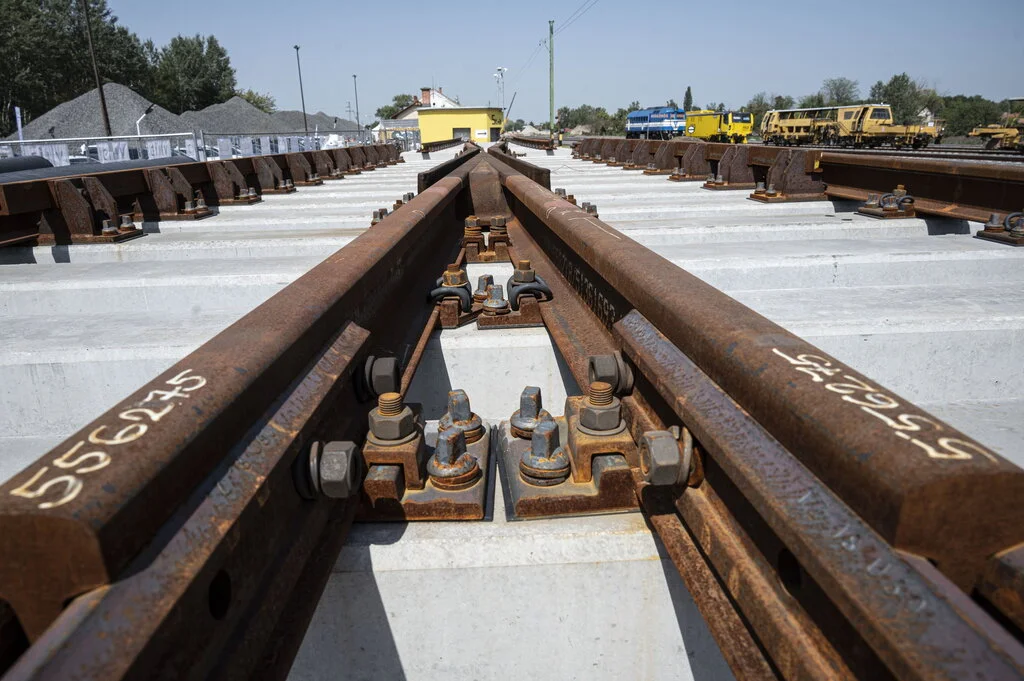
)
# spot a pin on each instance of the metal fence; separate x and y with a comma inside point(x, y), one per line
point(200, 146)
point(68, 151)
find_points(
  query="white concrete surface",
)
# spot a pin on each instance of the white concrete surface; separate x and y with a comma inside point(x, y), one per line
point(919, 304)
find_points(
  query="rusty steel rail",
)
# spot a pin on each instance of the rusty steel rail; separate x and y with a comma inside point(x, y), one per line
point(826, 527)
point(103, 205)
point(940, 186)
point(438, 145)
point(542, 143)
point(192, 550)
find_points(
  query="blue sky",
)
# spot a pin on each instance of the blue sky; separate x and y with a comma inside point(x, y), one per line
point(613, 54)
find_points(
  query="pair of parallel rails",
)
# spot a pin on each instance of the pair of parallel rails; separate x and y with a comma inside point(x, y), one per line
point(828, 529)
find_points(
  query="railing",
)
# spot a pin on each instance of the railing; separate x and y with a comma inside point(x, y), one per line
point(76, 150)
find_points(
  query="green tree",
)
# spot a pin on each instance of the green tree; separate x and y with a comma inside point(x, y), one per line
point(811, 101)
point(840, 91)
point(672, 103)
point(901, 93)
point(964, 113)
point(398, 102)
point(44, 57)
point(782, 102)
point(263, 101)
point(688, 100)
point(193, 73)
point(516, 125)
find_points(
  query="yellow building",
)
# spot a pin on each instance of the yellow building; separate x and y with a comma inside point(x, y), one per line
point(471, 123)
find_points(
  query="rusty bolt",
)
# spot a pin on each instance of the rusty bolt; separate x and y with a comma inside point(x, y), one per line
point(200, 203)
point(391, 420)
point(530, 413)
point(586, 206)
point(759, 188)
point(108, 227)
point(872, 201)
point(601, 410)
point(451, 466)
point(376, 217)
point(665, 460)
point(126, 223)
point(472, 224)
point(1014, 224)
point(592, 209)
point(719, 179)
point(771, 190)
point(190, 206)
point(495, 303)
point(483, 282)
point(524, 272)
point(559, 191)
point(252, 192)
point(545, 462)
point(499, 222)
point(571, 198)
point(382, 375)
point(454, 276)
point(460, 416)
point(994, 224)
point(339, 469)
point(611, 369)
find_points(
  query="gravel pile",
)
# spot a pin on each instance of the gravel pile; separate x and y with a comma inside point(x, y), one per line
point(234, 115)
point(81, 116)
point(319, 120)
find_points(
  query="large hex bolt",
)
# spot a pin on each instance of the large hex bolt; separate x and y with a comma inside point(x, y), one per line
point(611, 369)
point(381, 375)
point(339, 469)
point(460, 417)
point(392, 422)
point(495, 303)
point(665, 460)
point(482, 284)
point(472, 227)
point(601, 411)
point(330, 470)
point(530, 413)
point(524, 272)
point(452, 467)
point(545, 463)
point(498, 226)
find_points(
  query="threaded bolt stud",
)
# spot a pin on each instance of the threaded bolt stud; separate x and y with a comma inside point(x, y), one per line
point(600, 394)
point(389, 404)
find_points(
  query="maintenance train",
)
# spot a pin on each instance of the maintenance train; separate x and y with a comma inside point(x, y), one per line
point(667, 122)
point(856, 125)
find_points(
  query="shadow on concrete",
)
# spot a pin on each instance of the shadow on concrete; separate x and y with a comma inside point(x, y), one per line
point(568, 380)
point(350, 636)
point(61, 254)
point(702, 652)
point(944, 226)
point(18, 255)
point(431, 382)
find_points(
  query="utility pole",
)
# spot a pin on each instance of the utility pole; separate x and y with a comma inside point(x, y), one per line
point(551, 74)
point(95, 70)
point(302, 95)
point(355, 86)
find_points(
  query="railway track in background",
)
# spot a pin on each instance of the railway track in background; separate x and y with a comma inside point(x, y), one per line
point(810, 511)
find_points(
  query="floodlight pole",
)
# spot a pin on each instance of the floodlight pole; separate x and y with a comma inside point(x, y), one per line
point(551, 75)
point(302, 96)
point(95, 69)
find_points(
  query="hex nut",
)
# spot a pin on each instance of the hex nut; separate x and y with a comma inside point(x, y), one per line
point(392, 427)
point(603, 368)
point(385, 376)
point(339, 469)
point(660, 458)
point(601, 418)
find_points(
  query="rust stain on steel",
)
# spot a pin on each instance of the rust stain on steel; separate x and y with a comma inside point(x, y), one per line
point(914, 631)
point(241, 528)
point(1003, 583)
point(738, 647)
point(850, 431)
point(796, 645)
point(98, 511)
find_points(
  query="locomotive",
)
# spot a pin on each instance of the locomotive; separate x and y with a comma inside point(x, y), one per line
point(856, 125)
point(667, 122)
